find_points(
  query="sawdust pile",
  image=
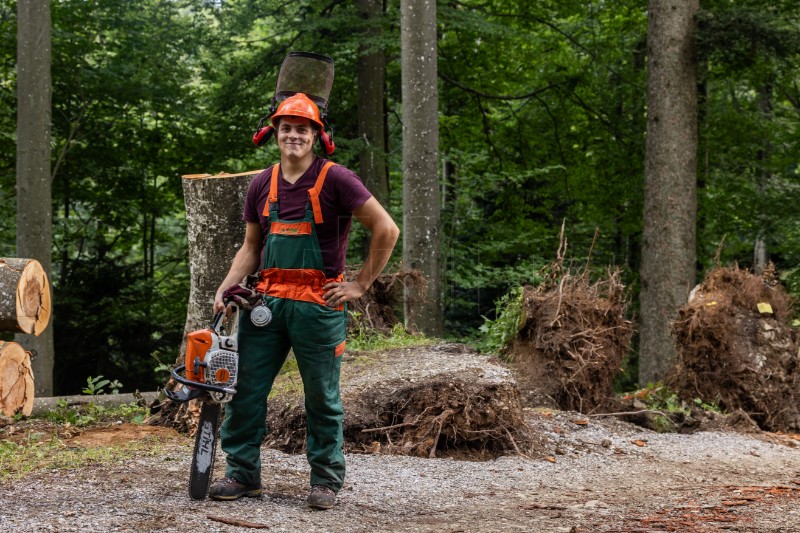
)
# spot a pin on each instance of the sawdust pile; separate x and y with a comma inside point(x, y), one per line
point(573, 339)
point(425, 402)
point(734, 355)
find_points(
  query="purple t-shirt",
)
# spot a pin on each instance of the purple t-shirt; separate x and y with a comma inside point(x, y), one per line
point(341, 194)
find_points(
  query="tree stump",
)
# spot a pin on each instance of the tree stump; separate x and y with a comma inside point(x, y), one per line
point(16, 380)
point(216, 231)
point(24, 296)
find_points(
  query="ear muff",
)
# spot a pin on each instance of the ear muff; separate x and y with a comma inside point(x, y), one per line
point(262, 135)
point(326, 142)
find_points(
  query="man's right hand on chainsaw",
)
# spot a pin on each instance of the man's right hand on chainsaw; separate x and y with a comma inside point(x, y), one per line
point(219, 305)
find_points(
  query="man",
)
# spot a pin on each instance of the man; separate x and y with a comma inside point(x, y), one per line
point(301, 211)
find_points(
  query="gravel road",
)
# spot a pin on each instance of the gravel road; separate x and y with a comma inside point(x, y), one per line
point(604, 476)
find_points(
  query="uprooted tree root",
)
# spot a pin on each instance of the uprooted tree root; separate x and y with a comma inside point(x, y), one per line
point(573, 339)
point(444, 416)
point(733, 355)
point(379, 306)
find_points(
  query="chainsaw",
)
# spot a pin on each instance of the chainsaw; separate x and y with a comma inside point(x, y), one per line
point(211, 371)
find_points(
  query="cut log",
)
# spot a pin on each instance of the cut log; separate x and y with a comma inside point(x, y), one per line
point(24, 296)
point(16, 380)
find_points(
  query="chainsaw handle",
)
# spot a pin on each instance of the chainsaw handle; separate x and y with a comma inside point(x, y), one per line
point(216, 324)
point(195, 385)
point(217, 320)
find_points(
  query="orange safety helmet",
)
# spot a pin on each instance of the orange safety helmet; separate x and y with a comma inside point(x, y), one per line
point(298, 105)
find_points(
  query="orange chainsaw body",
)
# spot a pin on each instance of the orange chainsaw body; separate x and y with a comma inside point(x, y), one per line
point(199, 343)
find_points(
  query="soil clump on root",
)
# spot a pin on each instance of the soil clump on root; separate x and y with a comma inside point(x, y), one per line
point(428, 401)
point(572, 340)
point(736, 348)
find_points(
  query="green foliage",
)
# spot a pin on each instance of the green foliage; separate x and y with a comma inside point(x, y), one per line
point(92, 413)
point(368, 340)
point(499, 332)
point(658, 397)
point(97, 385)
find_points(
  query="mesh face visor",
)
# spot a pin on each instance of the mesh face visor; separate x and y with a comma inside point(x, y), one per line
point(306, 72)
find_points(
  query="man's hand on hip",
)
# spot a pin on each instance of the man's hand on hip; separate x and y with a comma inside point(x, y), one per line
point(340, 292)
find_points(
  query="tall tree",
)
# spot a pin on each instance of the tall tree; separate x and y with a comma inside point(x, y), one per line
point(670, 193)
point(34, 207)
point(371, 102)
point(421, 209)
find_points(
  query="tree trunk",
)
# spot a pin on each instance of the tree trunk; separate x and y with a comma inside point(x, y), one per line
point(763, 177)
point(216, 231)
point(371, 82)
point(16, 380)
point(34, 208)
point(670, 194)
point(24, 296)
point(371, 107)
point(421, 210)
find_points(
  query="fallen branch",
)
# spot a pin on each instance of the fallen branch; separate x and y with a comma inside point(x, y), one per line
point(531, 506)
point(235, 522)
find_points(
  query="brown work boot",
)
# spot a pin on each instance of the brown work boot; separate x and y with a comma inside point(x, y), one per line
point(229, 489)
point(321, 497)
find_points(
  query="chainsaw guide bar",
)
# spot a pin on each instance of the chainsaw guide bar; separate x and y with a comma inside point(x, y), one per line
point(205, 446)
point(211, 368)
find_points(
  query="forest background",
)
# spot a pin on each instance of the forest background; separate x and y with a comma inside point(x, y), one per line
point(542, 117)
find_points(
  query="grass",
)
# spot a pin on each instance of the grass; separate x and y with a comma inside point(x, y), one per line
point(371, 341)
point(41, 448)
point(91, 413)
point(42, 452)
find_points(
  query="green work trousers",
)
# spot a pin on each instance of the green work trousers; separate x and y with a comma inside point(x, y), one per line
point(313, 332)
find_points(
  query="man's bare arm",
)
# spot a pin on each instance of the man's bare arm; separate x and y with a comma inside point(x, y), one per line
point(244, 263)
point(384, 233)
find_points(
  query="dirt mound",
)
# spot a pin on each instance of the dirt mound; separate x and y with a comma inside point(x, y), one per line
point(423, 401)
point(573, 339)
point(736, 349)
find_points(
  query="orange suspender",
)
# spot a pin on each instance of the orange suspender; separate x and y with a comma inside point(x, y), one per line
point(273, 188)
point(313, 193)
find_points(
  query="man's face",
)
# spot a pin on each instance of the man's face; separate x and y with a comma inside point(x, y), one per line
point(296, 137)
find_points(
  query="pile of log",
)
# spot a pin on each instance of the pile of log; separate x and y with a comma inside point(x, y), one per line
point(24, 308)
